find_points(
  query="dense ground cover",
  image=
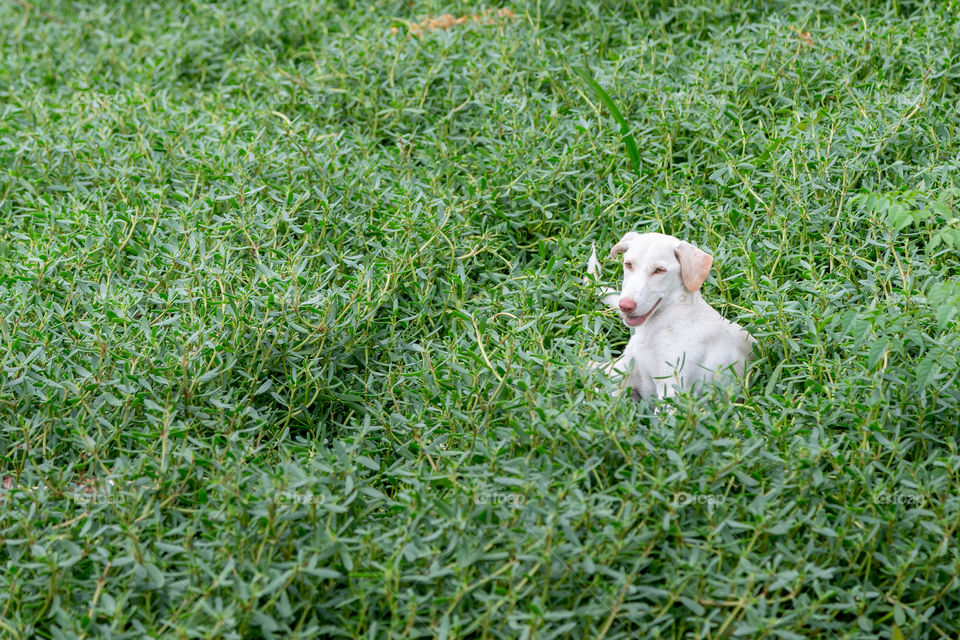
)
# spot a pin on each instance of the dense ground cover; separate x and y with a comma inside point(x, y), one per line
point(294, 338)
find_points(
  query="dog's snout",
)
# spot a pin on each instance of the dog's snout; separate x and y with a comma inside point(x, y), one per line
point(627, 305)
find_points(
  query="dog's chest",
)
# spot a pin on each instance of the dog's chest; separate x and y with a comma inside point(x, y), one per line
point(663, 353)
point(662, 356)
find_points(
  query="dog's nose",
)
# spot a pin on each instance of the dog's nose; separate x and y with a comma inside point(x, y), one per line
point(627, 305)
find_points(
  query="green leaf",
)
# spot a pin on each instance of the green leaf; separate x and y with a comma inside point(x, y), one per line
point(877, 351)
point(898, 615)
point(625, 134)
point(692, 605)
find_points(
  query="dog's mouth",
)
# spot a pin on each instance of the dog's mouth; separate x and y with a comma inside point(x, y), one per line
point(636, 321)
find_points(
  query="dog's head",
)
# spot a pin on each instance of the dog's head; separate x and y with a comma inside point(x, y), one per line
point(658, 270)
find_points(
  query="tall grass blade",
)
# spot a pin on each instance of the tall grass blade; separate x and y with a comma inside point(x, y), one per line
point(625, 134)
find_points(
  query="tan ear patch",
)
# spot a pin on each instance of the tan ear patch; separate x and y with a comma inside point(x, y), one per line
point(694, 265)
point(624, 244)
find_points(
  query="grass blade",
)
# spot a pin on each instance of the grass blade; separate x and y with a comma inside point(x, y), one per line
point(625, 134)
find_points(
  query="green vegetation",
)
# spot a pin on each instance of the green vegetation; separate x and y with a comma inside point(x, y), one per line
point(295, 342)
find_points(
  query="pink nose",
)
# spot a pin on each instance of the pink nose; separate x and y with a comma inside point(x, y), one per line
point(627, 305)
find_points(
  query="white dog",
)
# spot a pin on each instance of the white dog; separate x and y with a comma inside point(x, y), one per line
point(679, 340)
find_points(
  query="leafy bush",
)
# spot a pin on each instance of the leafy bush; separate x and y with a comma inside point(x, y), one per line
point(294, 339)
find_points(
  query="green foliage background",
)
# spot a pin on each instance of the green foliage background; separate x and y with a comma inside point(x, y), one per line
point(294, 342)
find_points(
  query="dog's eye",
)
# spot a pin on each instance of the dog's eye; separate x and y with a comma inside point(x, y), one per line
point(659, 270)
point(628, 266)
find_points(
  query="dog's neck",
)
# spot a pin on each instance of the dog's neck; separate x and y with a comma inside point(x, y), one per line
point(671, 307)
point(680, 303)
point(685, 298)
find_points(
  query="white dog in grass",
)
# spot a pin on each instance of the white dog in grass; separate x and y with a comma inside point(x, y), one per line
point(679, 341)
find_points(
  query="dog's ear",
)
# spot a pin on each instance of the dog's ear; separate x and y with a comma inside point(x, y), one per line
point(694, 265)
point(624, 243)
